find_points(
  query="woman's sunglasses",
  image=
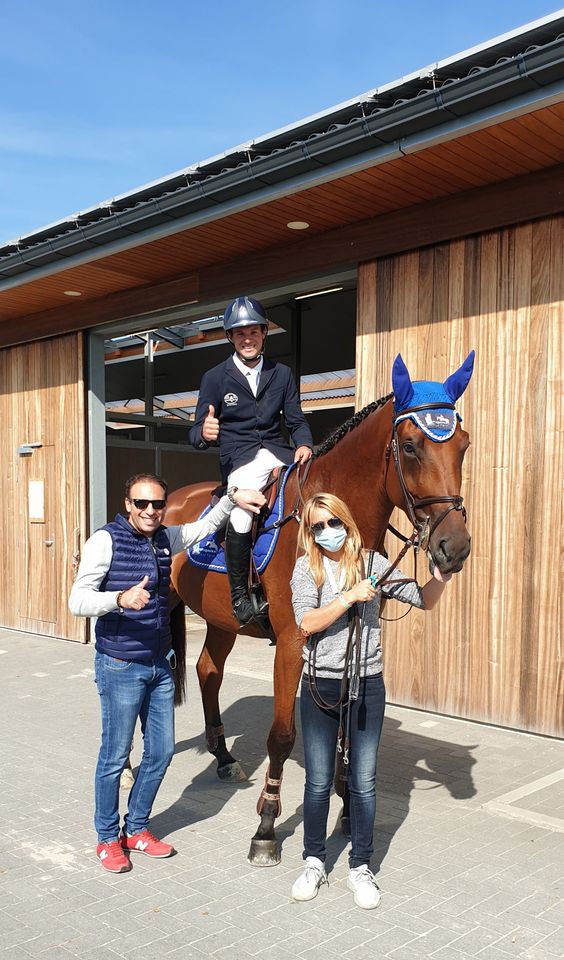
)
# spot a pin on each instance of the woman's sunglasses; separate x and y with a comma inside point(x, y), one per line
point(334, 523)
point(142, 504)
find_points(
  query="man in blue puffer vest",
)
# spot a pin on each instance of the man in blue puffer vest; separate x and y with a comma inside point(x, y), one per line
point(123, 580)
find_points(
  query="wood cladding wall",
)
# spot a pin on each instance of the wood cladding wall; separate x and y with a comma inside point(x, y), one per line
point(492, 649)
point(43, 493)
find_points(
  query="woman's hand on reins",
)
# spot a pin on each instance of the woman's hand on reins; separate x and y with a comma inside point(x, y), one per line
point(362, 592)
point(322, 617)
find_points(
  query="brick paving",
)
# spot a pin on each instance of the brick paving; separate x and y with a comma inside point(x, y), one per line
point(469, 836)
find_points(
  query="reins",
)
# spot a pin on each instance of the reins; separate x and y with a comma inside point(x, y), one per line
point(294, 513)
point(350, 681)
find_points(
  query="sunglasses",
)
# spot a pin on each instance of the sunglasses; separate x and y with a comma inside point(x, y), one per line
point(142, 504)
point(334, 523)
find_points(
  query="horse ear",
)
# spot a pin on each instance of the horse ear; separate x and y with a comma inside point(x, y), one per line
point(401, 383)
point(456, 384)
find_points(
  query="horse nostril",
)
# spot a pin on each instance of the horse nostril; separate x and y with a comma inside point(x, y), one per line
point(442, 548)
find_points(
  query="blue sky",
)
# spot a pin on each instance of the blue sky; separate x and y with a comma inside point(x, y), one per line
point(101, 98)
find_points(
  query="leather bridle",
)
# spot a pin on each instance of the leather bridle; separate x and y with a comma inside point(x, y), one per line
point(423, 528)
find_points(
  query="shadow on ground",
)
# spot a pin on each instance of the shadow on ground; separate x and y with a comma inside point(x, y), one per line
point(407, 761)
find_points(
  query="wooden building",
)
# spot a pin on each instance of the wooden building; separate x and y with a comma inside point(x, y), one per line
point(435, 206)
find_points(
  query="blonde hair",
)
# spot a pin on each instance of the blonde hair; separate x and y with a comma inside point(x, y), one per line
point(350, 562)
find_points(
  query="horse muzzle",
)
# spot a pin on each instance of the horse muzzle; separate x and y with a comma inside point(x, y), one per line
point(448, 551)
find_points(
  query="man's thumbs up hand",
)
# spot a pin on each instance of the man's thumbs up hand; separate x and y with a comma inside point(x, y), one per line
point(136, 597)
point(210, 426)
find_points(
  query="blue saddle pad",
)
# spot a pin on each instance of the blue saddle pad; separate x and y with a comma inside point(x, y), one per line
point(208, 554)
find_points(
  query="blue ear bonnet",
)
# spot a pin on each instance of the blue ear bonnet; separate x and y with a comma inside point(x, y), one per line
point(428, 404)
point(438, 423)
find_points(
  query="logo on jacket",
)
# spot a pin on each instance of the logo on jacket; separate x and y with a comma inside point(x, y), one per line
point(230, 399)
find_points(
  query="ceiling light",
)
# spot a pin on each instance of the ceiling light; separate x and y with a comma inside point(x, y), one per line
point(72, 293)
point(297, 225)
point(318, 293)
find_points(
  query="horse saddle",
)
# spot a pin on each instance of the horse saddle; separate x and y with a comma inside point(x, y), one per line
point(208, 554)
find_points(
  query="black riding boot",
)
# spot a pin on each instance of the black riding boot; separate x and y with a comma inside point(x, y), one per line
point(237, 559)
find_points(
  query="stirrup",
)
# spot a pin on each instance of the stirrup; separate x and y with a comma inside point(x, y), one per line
point(260, 610)
point(245, 602)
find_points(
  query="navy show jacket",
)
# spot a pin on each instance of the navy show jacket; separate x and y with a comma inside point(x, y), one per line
point(246, 422)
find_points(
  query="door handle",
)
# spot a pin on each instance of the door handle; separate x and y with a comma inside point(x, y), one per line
point(48, 543)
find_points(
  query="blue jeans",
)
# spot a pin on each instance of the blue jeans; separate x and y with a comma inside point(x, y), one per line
point(319, 733)
point(129, 690)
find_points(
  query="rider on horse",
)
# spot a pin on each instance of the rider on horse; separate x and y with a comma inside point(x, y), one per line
point(239, 406)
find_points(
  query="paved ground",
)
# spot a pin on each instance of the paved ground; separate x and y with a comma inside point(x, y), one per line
point(469, 835)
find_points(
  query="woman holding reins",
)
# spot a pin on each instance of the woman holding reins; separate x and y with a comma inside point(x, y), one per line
point(342, 699)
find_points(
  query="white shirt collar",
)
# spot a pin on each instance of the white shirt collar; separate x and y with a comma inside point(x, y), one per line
point(251, 373)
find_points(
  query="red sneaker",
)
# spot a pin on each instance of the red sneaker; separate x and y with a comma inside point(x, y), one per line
point(112, 857)
point(145, 842)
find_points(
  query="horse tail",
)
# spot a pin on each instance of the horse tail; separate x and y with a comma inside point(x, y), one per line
point(178, 636)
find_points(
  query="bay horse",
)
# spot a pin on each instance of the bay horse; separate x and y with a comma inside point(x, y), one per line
point(379, 459)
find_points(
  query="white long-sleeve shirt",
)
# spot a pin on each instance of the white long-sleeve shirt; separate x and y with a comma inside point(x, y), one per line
point(87, 600)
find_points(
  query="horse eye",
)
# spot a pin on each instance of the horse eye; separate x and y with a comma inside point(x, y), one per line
point(409, 448)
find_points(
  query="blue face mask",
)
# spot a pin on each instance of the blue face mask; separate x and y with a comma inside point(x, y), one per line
point(331, 540)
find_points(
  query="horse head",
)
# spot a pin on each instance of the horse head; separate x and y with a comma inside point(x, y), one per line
point(428, 446)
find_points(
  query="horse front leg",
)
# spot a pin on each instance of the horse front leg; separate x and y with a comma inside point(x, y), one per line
point(217, 647)
point(265, 849)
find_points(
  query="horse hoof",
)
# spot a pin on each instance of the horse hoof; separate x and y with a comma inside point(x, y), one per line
point(346, 827)
point(264, 853)
point(232, 772)
point(127, 779)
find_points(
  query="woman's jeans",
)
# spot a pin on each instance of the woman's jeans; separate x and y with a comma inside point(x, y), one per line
point(319, 733)
point(129, 690)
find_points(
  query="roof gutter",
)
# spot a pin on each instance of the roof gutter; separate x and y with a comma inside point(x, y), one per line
point(513, 88)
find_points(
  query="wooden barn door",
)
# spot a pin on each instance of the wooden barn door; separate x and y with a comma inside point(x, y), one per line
point(492, 650)
point(41, 531)
point(42, 483)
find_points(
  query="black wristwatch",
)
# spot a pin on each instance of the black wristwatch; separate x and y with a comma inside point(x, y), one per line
point(230, 493)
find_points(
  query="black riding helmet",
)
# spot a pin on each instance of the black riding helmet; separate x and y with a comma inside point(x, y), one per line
point(244, 312)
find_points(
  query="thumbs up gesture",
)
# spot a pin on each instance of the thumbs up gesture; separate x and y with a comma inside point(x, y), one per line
point(136, 597)
point(210, 426)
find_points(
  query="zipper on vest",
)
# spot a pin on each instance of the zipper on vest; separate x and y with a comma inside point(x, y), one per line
point(158, 569)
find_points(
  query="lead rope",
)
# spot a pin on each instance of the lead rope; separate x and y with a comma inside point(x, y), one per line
point(350, 680)
point(385, 578)
point(354, 684)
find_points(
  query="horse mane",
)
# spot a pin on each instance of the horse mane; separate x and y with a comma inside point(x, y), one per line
point(349, 425)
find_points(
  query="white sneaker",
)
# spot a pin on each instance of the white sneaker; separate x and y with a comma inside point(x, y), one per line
point(309, 882)
point(363, 884)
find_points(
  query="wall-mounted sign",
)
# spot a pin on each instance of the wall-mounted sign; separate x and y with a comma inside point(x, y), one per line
point(36, 501)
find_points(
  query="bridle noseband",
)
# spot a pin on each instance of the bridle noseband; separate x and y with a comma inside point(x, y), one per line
point(423, 528)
